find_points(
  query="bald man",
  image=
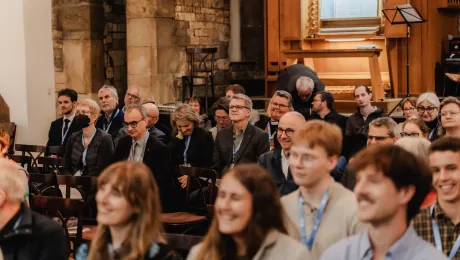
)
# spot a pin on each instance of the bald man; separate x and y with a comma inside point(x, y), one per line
point(153, 115)
point(276, 162)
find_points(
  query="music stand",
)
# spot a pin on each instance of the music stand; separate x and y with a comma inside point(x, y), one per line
point(410, 15)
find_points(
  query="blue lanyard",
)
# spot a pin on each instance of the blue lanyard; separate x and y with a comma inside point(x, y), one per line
point(83, 159)
point(133, 149)
point(437, 236)
point(269, 129)
point(110, 123)
point(236, 149)
point(187, 143)
point(319, 215)
point(62, 130)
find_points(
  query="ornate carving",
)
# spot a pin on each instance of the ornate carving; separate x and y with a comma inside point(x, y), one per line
point(313, 18)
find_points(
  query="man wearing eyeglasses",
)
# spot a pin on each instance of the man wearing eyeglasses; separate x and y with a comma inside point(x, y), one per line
point(450, 116)
point(276, 162)
point(240, 142)
point(132, 96)
point(140, 146)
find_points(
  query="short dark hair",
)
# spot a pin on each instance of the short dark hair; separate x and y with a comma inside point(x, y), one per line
point(222, 103)
point(444, 144)
point(368, 90)
point(72, 94)
point(236, 89)
point(402, 167)
point(411, 100)
point(199, 101)
point(328, 97)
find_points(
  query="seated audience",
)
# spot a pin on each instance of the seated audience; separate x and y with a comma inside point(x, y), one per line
point(439, 224)
point(392, 185)
point(280, 104)
point(415, 127)
point(193, 146)
point(248, 221)
point(450, 116)
point(276, 162)
point(129, 209)
point(62, 128)
point(234, 89)
point(196, 104)
point(132, 96)
point(409, 108)
point(323, 109)
point(240, 142)
point(358, 124)
point(428, 110)
point(139, 146)
point(153, 115)
point(25, 234)
point(221, 115)
point(111, 118)
point(323, 210)
point(89, 150)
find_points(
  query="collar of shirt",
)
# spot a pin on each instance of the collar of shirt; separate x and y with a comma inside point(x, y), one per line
point(141, 142)
point(284, 163)
point(70, 117)
point(241, 132)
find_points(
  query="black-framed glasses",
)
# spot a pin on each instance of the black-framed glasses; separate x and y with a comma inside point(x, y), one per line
point(274, 104)
point(133, 124)
point(429, 110)
point(377, 138)
point(403, 134)
point(287, 131)
point(451, 113)
point(238, 107)
point(132, 96)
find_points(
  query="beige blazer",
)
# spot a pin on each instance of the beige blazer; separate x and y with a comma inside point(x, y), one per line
point(276, 246)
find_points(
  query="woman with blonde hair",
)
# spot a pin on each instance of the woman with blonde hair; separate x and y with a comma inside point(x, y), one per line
point(248, 221)
point(129, 209)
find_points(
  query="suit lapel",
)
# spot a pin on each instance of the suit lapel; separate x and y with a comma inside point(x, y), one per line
point(148, 149)
point(277, 162)
point(246, 138)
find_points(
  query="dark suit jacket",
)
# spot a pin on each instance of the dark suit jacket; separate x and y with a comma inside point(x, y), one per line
point(55, 133)
point(117, 123)
point(254, 143)
point(157, 157)
point(272, 162)
point(158, 134)
point(334, 118)
point(262, 124)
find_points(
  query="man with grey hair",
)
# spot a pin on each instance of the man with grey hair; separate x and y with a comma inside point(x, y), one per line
point(240, 142)
point(381, 131)
point(153, 115)
point(112, 117)
point(25, 234)
point(140, 146)
point(132, 96)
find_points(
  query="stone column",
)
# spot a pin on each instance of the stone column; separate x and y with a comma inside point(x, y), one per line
point(235, 31)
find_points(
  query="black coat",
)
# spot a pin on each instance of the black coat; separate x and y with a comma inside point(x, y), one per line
point(262, 124)
point(334, 118)
point(200, 150)
point(272, 162)
point(55, 133)
point(36, 237)
point(156, 252)
point(158, 158)
point(117, 122)
point(254, 143)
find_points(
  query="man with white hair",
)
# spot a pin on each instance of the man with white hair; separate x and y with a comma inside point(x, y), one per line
point(112, 117)
point(25, 234)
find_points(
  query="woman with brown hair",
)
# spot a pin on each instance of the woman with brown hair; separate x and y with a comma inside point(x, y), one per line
point(197, 105)
point(248, 221)
point(415, 127)
point(128, 215)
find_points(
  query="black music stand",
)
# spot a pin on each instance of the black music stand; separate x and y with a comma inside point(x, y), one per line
point(410, 15)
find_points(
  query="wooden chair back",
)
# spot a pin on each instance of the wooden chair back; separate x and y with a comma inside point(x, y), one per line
point(59, 151)
point(43, 184)
point(208, 175)
point(82, 183)
point(51, 164)
point(24, 160)
point(29, 149)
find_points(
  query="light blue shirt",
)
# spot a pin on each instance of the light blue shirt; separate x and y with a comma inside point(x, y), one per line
point(358, 247)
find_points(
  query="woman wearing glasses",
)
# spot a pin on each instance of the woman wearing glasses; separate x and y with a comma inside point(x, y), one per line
point(415, 127)
point(280, 104)
point(428, 110)
point(90, 150)
point(450, 116)
point(409, 108)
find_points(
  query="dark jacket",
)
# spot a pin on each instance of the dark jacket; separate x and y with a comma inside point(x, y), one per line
point(116, 121)
point(357, 130)
point(334, 118)
point(35, 237)
point(158, 134)
point(262, 124)
point(156, 252)
point(200, 150)
point(99, 154)
point(272, 162)
point(254, 144)
point(157, 157)
point(55, 133)
point(348, 179)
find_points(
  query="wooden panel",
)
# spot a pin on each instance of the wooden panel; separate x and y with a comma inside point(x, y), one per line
point(454, 4)
point(394, 31)
point(273, 35)
point(290, 17)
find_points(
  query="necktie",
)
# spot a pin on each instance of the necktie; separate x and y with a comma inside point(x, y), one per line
point(66, 125)
point(133, 151)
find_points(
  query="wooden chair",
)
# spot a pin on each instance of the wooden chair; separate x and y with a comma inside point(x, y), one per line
point(24, 160)
point(82, 183)
point(63, 209)
point(29, 149)
point(183, 222)
point(43, 185)
point(59, 151)
point(51, 164)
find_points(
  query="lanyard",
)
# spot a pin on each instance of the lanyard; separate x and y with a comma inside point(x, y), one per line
point(236, 149)
point(187, 143)
point(269, 129)
point(319, 215)
point(133, 149)
point(437, 236)
point(110, 123)
point(63, 135)
point(83, 159)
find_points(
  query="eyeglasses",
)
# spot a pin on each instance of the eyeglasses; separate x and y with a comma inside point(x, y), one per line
point(238, 107)
point(377, 138)
point(317, 100)
point(429, 110)
point(222, 118)
point(403, 134)
point(279, 105)
point(132, 96)
point(451, 113)
point(133, 124)
point(409, 109)
point(287, 132)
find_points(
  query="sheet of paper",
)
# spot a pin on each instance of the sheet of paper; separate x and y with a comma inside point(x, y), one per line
point(409, 13)
point(355, 8)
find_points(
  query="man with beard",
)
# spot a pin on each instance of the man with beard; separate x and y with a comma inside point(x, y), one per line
point(323, 109)
point(323, 210)
point(62, 128)
point(276, 162)
point(439, 224)
point(391, 187)
point(112, 117)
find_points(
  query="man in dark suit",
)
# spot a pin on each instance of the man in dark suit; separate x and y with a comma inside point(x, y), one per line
point(276, 162)
point(63, 127)
point(241, 142)
point(112, 117)
point(323, 109)
point(139, 145)
point(153, 115)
